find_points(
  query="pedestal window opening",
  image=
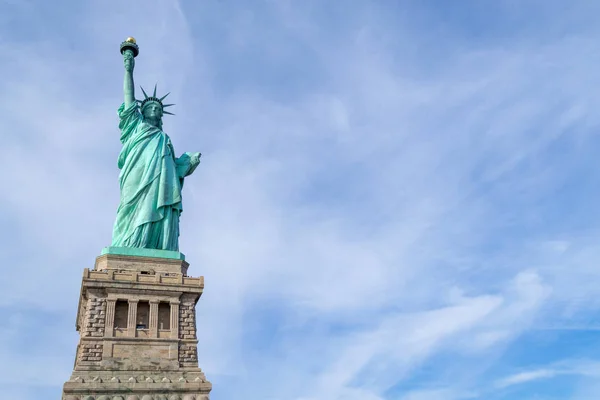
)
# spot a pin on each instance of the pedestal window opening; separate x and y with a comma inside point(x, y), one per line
point(143, 315)
point(121, 312)
point(164, 316)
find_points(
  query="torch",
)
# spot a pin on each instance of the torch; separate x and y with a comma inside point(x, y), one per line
point(130, 44)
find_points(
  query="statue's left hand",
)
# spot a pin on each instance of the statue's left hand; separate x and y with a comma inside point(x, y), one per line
point(187, 163)
point(196, 158)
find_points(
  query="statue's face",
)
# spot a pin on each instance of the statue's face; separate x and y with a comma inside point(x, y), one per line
point(152, 111)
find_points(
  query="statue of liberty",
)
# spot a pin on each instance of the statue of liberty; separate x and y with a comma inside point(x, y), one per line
point(151, 177)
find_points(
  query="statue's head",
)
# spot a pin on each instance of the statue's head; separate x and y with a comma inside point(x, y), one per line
point(153, 112)
point(152, 108)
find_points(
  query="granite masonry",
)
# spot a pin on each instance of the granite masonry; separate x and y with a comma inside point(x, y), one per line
point(137, 325)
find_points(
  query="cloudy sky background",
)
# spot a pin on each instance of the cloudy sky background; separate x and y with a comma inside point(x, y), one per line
point(398, 200)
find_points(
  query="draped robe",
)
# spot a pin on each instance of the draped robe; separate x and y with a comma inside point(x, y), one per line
point(150, 180)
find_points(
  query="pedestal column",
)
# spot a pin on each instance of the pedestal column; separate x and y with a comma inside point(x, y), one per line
point(110, 318)
point(174, 319)
point(131, 318)
point(153, 319)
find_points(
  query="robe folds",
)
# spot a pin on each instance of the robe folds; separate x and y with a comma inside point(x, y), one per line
point(150, 180)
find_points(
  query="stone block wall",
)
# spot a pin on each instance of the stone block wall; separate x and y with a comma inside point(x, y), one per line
point(90, 351)
point(188, 352)
point(95, 316)
point(187, 318)
point(188, 355)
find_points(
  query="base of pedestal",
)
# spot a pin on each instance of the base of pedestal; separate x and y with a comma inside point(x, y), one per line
point(121, 385)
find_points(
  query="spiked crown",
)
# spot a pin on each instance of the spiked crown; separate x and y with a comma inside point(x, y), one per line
point(154, 99)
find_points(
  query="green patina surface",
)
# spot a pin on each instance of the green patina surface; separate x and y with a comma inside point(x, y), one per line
point(151, 177)
point(141, 252)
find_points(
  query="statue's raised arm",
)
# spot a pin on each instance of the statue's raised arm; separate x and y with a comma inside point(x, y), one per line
point(129, 49)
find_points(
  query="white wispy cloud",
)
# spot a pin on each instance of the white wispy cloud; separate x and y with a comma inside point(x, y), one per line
point(584, 368)
point(528, 376)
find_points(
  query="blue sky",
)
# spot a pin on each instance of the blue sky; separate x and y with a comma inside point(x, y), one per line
point(397, 200)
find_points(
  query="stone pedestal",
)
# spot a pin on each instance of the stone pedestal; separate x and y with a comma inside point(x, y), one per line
point(137, 325)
